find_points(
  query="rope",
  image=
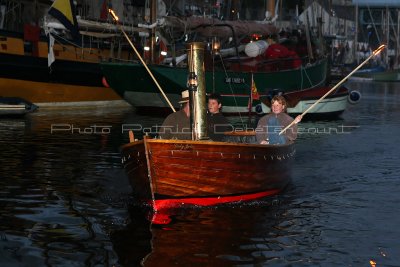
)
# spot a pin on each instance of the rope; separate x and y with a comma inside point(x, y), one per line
point(230, 87)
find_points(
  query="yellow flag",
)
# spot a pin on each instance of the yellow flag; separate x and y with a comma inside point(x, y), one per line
point(254, 92)
point(64, 11)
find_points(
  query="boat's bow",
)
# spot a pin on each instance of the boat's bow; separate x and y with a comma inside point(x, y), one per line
point(206, 173)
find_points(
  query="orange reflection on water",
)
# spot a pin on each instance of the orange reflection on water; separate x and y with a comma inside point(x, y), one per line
point(373, 263)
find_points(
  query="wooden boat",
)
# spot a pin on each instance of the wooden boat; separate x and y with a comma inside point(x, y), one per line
point(15, 106)
point(166, 173)
point(299, 101)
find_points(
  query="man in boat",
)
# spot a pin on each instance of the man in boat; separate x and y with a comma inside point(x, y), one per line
point(269, 126)
point(217, 123)
point(177, 124)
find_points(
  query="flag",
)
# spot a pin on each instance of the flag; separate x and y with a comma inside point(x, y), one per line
point(254, 92)
point(50, 56)
point(250, 105)
point(64, 11)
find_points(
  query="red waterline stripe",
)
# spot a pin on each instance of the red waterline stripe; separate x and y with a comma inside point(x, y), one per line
point(209, 201)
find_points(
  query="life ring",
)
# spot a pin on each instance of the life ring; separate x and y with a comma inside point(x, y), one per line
point(354, 97)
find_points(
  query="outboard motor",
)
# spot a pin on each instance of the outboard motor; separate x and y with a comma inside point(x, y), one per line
point(354, 97)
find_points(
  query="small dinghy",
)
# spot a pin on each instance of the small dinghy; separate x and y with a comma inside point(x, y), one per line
point(15, 106)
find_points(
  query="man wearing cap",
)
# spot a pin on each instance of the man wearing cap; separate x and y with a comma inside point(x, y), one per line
point(177, 124)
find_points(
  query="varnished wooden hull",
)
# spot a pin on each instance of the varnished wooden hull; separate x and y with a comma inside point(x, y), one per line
point(205, 173)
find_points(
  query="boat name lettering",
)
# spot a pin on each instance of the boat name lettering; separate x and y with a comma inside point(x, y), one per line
point(237, 80)
point(183, 146)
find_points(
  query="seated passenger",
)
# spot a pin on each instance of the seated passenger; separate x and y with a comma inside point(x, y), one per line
point(217, 123)
point(177, 124)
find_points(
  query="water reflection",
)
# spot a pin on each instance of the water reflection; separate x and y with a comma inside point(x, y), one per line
point(218, 236)
point(65, 199)
point(55, 189)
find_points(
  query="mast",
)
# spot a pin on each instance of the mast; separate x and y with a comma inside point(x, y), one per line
point(197, 90)
point(308, 38)
point(153, 19)
point(396, 60)
point(356, 35)
point(271, 7)
point(35, 12)
point(387, 35)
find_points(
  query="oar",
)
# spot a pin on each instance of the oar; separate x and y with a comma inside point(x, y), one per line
point(374, 53)
point(141, 59)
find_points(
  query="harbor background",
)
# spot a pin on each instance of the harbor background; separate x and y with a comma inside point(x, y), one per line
point(65, 199)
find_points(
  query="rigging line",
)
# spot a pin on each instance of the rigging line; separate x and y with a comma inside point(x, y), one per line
point(318, 84)
point(170, 6)
point(230, 87)
point(213, 73)
point(312, 85)
point(301, 75)
point(66, 47)
point(373, 23)
point(67, 41)
point(394, 30)
point(309, 80)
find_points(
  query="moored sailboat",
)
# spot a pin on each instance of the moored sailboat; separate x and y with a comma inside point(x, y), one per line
point(243, 56)
point(234, 86)
point(73, 77)
point(298, 101)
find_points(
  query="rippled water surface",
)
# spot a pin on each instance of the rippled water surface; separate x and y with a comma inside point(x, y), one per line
point(65, 199)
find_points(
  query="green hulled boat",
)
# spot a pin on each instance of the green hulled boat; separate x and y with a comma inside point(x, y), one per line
point(387, 76)
point(134, 84)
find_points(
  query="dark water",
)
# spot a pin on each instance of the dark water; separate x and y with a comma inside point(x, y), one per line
point(65, 200)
